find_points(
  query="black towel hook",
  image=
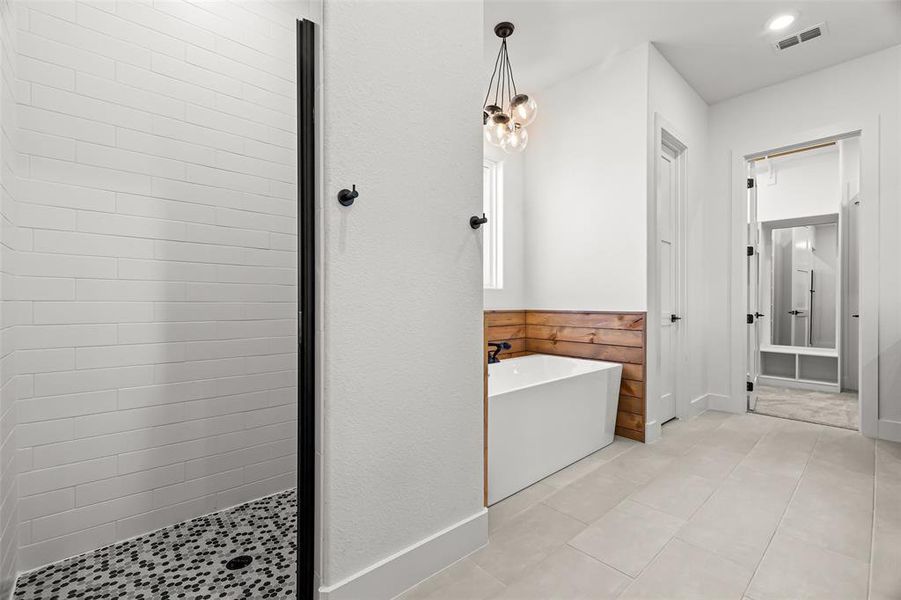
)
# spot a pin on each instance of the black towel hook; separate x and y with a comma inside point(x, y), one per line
point(346, 197)
point(475, 222)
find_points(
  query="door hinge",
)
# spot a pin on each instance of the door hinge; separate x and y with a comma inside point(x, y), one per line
point(750, 182)
point(750, 386)
point(750, 250)
point(750, 319)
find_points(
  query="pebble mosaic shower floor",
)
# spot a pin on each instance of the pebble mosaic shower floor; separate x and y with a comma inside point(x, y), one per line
point(190, 560)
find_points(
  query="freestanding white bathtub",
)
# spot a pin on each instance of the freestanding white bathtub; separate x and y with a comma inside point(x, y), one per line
point(544, 413)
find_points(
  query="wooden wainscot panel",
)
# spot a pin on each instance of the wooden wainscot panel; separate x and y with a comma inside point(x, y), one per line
point(506, 326)
point(500, 318)
point(629, 421)
point(599, 320)
point(586, 335)
point(505, 333)
point(620, 354)
point(634, 372)
point(630, 387)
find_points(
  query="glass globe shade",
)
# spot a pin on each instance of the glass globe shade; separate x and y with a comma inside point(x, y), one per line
point(516, 140)
point(497, 129)
point(523, 109)
point(488, 112)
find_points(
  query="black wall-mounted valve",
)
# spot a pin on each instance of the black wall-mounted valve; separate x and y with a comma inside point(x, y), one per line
point(346, 197)
point(476, 222)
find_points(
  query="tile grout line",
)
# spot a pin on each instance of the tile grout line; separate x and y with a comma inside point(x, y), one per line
point(675, 536)
point(598, 560)
point(784, 511)
point(721, 481)
point(873, 522)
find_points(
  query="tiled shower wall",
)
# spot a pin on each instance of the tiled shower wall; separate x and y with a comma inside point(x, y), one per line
point(156, 369)
point(9, 313)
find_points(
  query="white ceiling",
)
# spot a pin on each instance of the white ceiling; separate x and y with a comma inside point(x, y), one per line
point(721, 48)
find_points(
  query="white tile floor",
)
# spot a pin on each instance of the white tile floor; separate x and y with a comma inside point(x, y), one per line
point(723, 506)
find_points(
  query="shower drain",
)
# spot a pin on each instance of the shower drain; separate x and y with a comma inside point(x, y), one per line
point(238, 562)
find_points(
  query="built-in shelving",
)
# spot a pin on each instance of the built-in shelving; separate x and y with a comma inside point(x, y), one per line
point(811, 368)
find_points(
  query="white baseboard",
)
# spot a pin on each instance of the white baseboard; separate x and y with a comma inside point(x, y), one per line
point(698, 405)
point(397, 573)
point(725, 403)
point(889, 430)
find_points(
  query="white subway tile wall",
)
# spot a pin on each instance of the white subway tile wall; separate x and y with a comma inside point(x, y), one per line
point(155, 285)
point(12, 311)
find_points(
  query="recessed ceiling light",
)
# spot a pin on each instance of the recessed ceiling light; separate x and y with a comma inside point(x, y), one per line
point(780, 22)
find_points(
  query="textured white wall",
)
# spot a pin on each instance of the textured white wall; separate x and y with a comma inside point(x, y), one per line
point(854, 91)
point(156, 369)
point(585, 189)
point(11, 311)
point(401, 444)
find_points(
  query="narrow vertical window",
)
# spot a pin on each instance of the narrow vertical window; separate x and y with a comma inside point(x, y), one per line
point(493, 230)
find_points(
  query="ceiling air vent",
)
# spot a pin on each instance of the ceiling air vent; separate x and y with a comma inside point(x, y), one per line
point(811, 33)
point(788, 42)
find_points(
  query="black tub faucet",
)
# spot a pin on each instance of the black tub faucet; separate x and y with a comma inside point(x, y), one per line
point(498, 347)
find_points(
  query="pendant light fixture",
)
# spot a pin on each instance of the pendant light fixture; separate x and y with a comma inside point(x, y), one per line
point(509, 112)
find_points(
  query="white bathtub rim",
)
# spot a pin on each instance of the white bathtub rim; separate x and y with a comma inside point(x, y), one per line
point(602, 365)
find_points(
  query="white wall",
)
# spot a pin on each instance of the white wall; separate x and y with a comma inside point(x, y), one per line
point(157, 364)
point(512, 295)
point(675, 105)
point(803, 185)
point(862, 90)
point(401, 443)
point(585, 190)
point(10, 311)
point(591, 201)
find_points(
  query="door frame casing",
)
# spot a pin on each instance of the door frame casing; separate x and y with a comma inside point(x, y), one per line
point(868, 351)
point(306, 304)
point(664, 134)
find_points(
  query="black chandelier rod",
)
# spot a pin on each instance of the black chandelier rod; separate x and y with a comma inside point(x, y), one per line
point(493, 74)
point(503, 72)
point(510, 70)
point(503, 76)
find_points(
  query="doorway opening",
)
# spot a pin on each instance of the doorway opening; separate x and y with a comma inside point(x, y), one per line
point(803, 283)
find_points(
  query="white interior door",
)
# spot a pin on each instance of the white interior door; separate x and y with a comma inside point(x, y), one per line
point(668, 187)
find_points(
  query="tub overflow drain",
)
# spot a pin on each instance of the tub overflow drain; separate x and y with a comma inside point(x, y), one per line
point(238, 562)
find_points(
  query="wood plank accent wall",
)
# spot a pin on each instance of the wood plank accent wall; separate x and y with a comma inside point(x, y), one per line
point(506, 326)
point(613, 337)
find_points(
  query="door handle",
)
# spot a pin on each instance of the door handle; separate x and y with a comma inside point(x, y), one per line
point(855, 316)
point(757, 315)
point(674, 318)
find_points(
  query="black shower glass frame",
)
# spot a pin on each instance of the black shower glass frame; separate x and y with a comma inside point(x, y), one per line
point(306, 303)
